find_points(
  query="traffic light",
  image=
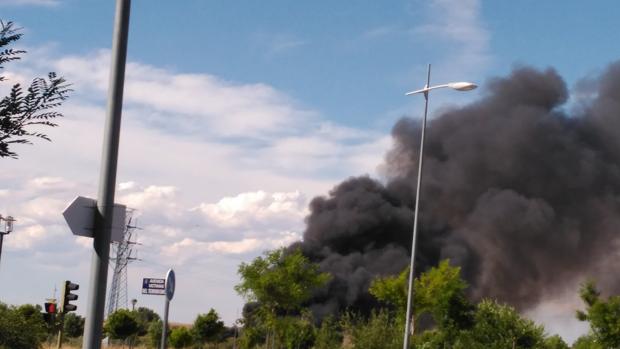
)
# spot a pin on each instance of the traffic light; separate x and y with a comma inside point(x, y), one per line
point(50, 307)
point(67, 296)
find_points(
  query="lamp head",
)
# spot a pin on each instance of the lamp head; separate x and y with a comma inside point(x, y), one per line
point(462, 86)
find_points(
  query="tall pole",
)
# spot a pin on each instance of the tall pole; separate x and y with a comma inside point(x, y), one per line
point(415, 219)
point(107, 181)
point(164, 332)
point(1, 238)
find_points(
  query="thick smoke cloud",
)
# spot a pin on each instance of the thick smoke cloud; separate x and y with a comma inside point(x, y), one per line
point(521, 193)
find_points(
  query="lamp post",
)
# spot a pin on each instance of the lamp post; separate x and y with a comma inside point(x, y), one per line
point(459, 86)
point(8, 227)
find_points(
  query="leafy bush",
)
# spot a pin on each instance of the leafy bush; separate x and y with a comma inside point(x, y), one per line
point(181, 337)
point(379, 331)
point(21, 327)
point(121, 324)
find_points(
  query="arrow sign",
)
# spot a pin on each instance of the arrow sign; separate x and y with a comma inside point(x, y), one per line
point(80, 216)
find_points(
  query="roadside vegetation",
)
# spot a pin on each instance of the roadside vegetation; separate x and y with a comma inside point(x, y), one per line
point(279, 283)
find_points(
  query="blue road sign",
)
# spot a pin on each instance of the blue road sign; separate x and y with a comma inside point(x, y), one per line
point(153, 286)
point(170, 283)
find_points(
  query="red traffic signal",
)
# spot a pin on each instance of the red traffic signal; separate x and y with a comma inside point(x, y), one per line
point(50, 308)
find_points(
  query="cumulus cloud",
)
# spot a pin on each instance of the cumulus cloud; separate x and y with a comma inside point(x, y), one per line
point(245, 208)
point(204, 161)
point(203, 103)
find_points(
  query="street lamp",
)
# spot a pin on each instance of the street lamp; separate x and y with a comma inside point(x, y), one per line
point(8, 227)
point(459, 86)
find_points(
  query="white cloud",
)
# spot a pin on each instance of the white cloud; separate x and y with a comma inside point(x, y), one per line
point(126, 185)
point(203, 104)
point(30, 2)
point(189, 248)
point(245, 208)
point(218, 171)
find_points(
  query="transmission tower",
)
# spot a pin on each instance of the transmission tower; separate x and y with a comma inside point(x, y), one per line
point(123, 253)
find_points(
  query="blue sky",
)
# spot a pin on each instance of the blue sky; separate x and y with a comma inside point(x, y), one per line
point(238, 113)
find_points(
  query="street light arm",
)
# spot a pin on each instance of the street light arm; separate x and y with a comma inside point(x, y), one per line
point(426, 89)
point(459, 86)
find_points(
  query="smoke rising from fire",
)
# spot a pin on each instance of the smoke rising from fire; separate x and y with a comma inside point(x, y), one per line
point(520, 191)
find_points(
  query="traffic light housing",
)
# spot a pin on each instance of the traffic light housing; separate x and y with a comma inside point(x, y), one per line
point(50, 307)
point(67, 296)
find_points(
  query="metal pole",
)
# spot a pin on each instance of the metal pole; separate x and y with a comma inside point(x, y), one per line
point(415, 219)
point(164, 332)
point(1, 239)
point(107, 181)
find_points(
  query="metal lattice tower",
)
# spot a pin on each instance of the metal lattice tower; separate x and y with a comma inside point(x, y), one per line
point(122, 255)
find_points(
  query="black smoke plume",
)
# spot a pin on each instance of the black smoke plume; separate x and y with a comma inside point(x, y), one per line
point(519, 189)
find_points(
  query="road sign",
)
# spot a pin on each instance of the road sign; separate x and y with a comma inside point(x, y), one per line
point(154, 286)
point(80, 216)
point(170, 283)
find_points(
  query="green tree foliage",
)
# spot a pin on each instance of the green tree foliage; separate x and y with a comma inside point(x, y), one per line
point(498, 326)
point(587, 342)
point(154, 333)
point(379, 331)
point(21, 327)
point(144, 317)
point(603, 315)
point(295, 332)
point(181, 337)
point(121, 324)
point(208, 327)
point(392, 290)
point(329, 335)
point(440, 291)
point(22, 113)
point(555, 342)
point(278, 282)
point(74, 325)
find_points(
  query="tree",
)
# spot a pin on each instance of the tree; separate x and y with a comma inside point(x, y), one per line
point(74, 325)
point(145, 316)
point(392, 290)
point(555, 342)
point(439, 291)
point(604, 316)
point(21, 327)
point(328, 335)
point(181, 337)
point(154, 332)
point(121, 324)
point(379, 331)
point(22, 113)
point(279, 282)
point(208, 327)
point(587, 342)
point(499, 326)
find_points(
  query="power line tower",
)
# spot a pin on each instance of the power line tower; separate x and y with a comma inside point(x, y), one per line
point(123, 253)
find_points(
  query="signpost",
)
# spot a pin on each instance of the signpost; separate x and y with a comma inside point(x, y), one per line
point(80, 216)
point(170, 285)
point(103, 218)
point(154, 286)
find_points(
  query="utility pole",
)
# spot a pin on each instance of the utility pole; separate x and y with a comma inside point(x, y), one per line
point(107, 181)
point(8, 228)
